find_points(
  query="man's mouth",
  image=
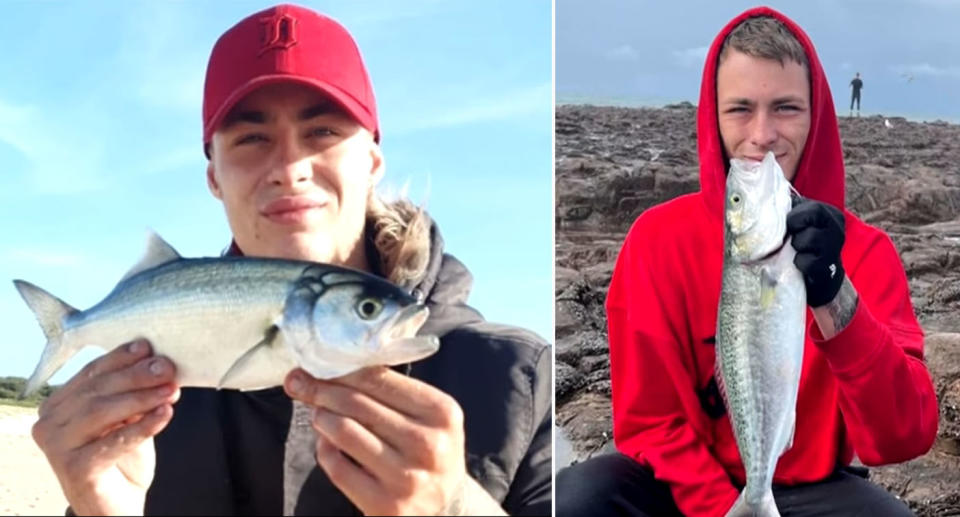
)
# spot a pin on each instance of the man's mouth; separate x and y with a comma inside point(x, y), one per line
point(759, 158)
point(290, 209)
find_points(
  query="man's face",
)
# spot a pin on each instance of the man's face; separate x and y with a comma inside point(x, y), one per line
point(294, 173)
point(763, 106)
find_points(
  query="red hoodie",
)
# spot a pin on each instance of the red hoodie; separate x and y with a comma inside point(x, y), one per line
point(865, 391)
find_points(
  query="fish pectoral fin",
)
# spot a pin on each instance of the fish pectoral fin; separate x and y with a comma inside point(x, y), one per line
point(158, 252)
point(768, 287)
point(793, 432)
point(240, 366)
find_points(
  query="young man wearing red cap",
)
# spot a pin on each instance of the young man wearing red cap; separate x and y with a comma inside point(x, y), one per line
point(291, 133)
point(864, 388)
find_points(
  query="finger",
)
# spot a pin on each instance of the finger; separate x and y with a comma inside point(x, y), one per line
point(132, 420)
point(376, 456)
point(121, 357)
point(406, 395)
point(837, 216)
point(805, 215)
point(398, 430)
point(127, 421)
point(358, 485)
point(807, 241)
point(147, 373)
point(104, 452)
point(89, 417)
point(105, 412)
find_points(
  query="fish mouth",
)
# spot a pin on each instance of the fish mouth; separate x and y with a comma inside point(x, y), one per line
point(401, 332)
point(406, 322)
point(760, 157)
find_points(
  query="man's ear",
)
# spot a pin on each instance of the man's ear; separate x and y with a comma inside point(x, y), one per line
point(379, 167)
point(212, 182)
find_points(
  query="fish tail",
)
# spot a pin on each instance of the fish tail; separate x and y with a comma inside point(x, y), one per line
point(51, 312)
point(766, 508)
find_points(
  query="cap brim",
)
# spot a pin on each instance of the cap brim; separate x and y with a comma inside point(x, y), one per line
point(346, 101)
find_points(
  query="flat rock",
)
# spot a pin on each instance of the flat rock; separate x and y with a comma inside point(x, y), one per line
point(613, 163)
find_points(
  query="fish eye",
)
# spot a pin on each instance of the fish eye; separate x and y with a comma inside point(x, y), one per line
point(369, 308)
point(735, 199)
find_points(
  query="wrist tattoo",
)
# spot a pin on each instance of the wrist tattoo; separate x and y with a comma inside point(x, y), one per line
point(843, 306)
point(457, 504)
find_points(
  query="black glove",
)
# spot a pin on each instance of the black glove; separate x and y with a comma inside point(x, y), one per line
point(818, 232)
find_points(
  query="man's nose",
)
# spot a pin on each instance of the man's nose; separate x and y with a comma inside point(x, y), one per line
point(292, 163)
point(763, 131)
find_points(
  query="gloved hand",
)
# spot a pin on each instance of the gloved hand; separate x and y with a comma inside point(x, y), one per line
point(818, 233)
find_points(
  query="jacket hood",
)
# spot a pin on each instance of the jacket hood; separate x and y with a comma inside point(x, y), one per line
point(444, 286)
point(820, 173)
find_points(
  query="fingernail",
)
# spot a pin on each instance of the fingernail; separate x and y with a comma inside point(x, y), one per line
point(164, 390)
point(296, 384)
point(157, 367)
point(136, 347)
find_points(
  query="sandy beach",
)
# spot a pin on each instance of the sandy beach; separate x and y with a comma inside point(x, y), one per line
point(27, 484)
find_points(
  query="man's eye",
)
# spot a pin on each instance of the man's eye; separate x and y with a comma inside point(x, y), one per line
point(788, 107)
point(251, 138)
point(321, 131)
point(736, 109)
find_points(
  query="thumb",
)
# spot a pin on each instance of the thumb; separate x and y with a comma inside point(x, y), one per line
point(130, 444)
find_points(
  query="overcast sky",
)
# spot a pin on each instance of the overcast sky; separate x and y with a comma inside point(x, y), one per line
point(652, 52)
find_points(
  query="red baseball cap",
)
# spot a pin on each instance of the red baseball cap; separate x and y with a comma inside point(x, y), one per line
point(287, 43)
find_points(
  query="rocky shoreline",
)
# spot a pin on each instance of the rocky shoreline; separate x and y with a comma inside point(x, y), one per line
point(612, 163)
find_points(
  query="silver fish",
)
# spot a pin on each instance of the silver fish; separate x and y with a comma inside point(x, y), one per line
point(760, 326)
point(238, 322)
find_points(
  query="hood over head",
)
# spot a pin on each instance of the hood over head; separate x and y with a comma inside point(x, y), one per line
point(820, 173)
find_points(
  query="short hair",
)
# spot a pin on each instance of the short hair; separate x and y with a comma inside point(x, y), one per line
point(765, 37)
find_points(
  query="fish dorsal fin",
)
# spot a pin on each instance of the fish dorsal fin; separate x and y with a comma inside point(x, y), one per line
point(158, 252)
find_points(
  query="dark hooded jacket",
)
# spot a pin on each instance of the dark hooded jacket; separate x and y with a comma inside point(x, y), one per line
point(865, 391)
point(223, 452)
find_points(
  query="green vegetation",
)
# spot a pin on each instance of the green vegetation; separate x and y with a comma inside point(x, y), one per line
point(11, 387)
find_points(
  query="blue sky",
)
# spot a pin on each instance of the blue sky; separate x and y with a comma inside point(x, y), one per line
point(100, 139)
point(648, 52)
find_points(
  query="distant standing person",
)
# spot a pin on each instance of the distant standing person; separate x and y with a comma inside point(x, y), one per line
point(856, 84)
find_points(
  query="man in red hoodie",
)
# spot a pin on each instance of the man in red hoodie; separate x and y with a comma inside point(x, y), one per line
point(864, 389)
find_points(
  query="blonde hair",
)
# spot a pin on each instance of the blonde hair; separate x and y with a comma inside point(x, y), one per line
point(401, 235)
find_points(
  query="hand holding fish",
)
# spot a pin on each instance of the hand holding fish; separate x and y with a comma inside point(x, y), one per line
point(818, 231)
point(818, 234)
point(97, 430)
point(405, 438)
